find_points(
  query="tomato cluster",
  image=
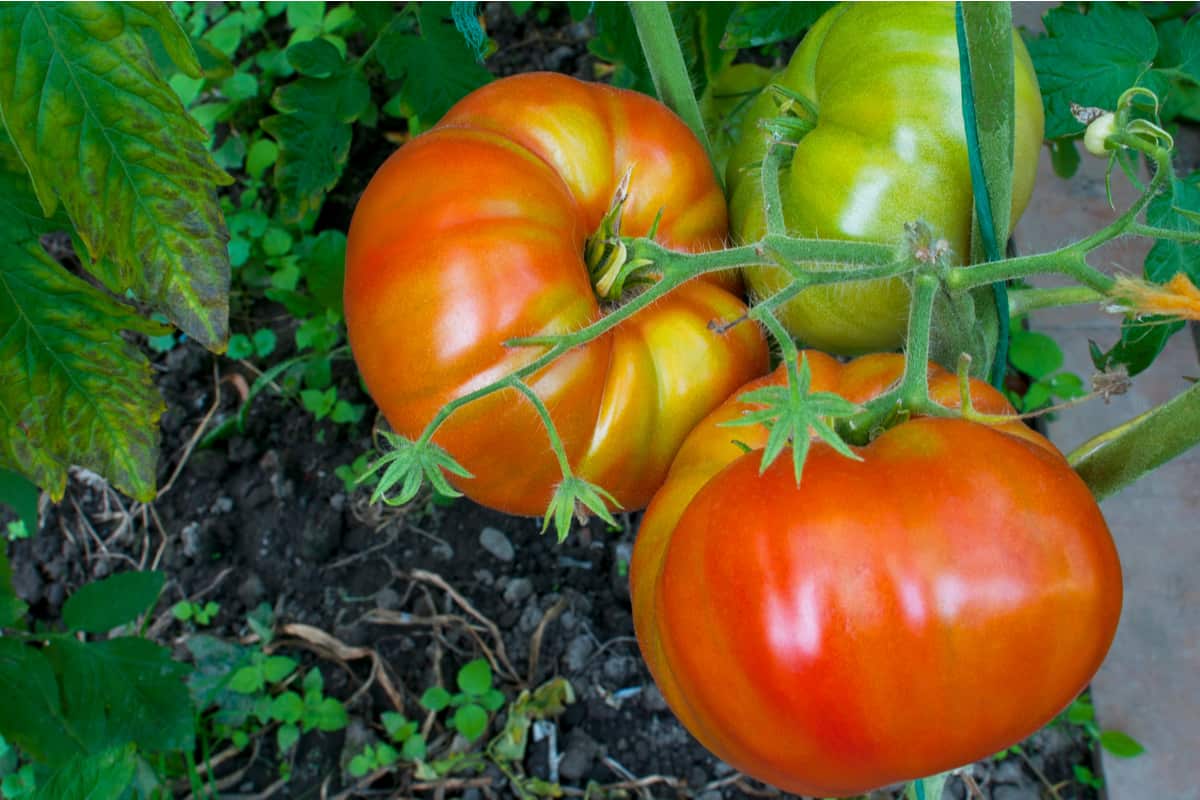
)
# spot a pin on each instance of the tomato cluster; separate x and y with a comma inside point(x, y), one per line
point(890, 617)
point(473, 234)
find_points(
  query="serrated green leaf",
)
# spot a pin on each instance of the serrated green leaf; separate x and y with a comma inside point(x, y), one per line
point(475, 677)
point(277, 668)
point(1121, 744)
point(1035, 354)
point(323, 262)
point(31, 715)
point(313, 133)
point(316, 58)
point(758, 24)
point(99, 776)
point(471, 721)
point(102, 605)
point(314, 682)
point(247, 680)
point(287, 736)
point(287, 707)
point(1175, 210)
point(1090, 59)
point(438, 67)
point(75, 390)
point(327, 715)
point(99, 129)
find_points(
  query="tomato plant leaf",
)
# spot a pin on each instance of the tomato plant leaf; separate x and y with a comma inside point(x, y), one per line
point(758, 24)
point(98, 129)
point(313, 134)
point(97, 776)
point(1176, 210)
point(438, 66)
point(1090, 59)
point(75, 390)
point(1035, 354)
point(316, 58)
point(102, 605)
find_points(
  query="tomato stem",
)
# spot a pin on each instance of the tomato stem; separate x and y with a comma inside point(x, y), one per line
point(668, 70)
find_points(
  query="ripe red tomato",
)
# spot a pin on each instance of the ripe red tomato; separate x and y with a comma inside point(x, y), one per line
point(887, 619)
point(473, 234)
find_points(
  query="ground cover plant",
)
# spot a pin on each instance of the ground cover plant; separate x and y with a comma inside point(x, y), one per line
point(260, 584)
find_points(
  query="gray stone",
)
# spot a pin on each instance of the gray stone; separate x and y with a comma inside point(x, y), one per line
point(653, 700)
point(618, 668)
point(191, 539)
point(530, 617)
point(27, 582)
point(517, 590)
point(1008, 771)
point(577, 759)
point(579, 650)
point(1009, 791)
point(496, 542)
point(387, 598)
point(711, 794)
point(321, 535)
point(251, 590)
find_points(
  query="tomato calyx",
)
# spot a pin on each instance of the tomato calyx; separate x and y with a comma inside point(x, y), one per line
point(607, 255)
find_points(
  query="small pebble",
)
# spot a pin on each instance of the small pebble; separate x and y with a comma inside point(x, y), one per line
point(496, 542)
point(517, 590)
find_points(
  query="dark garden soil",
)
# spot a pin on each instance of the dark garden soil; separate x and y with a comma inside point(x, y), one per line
point(260, 517)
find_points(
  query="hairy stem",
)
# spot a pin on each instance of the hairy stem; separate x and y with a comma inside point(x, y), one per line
point(1022, 301)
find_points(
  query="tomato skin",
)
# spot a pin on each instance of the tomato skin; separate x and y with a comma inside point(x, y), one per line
point(888, 619)
point(889, 148)
point(473, 233)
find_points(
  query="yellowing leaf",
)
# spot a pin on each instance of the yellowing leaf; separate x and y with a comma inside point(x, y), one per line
point(100, 131)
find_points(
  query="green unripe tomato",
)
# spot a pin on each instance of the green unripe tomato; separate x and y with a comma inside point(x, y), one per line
point(888, 148)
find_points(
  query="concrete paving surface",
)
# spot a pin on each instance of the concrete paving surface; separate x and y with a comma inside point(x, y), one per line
point(1149, 686)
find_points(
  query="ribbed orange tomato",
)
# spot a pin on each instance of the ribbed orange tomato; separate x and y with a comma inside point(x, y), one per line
point(473, 234)
point(889, 618)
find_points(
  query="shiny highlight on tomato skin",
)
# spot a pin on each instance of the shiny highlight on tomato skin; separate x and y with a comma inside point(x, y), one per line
point(888, 619)
point(473, 234)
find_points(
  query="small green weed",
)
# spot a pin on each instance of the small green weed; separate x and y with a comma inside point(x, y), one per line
point(186, 611)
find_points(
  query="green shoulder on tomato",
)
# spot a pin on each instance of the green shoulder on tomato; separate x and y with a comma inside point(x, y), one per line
point(888, 147)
